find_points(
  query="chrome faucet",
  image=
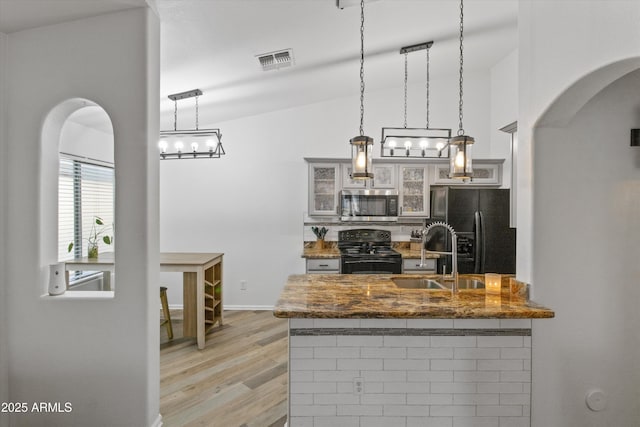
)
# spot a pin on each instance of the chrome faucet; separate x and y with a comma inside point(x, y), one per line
point(453, 253)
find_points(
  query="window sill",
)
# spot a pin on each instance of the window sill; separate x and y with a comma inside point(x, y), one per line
point(81, 295)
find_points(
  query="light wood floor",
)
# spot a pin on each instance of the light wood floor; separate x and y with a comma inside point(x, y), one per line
point(238, 380)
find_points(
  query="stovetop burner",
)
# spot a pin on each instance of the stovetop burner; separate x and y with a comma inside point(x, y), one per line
point(366, 242)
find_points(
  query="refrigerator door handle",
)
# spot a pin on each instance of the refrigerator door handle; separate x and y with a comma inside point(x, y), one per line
point(477, 235)
point(483, 246)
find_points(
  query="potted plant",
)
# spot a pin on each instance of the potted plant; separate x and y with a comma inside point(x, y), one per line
point(320, 233)
point(98, 232)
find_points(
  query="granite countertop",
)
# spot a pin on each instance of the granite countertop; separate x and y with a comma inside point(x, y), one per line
point(376, 296)
point(331, 251)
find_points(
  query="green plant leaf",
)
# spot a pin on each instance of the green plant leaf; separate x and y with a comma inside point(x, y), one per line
point(70, 247)
point(107, 240)
point(99, 221)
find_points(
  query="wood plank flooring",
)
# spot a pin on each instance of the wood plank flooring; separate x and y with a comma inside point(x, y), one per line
point(238, 380)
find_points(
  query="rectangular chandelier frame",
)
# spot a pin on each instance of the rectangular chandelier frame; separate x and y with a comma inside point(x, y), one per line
point(420, 143)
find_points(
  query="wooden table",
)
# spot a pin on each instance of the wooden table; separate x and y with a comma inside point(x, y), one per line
point(201, 282)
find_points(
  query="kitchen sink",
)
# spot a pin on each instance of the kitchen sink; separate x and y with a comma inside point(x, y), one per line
point(413, 283)
point(420, 283)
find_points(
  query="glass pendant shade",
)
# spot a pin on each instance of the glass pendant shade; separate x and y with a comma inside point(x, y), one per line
point(361, 157)
point(461, 166)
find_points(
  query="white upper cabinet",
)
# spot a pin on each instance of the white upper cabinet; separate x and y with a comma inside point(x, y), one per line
point(485, 172)
point(324, 185)
point(413, 189)
point(384, 176)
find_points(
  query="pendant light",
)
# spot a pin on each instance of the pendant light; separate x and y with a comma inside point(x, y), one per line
point(196, 138)
point(460, 163)
point(361, 145)
point(415, 142)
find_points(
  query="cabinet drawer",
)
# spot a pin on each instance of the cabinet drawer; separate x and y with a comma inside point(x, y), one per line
point(331, 265)
point(413, 265)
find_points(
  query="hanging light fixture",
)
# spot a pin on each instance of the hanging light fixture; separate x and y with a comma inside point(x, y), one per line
point(460, 163)
point(415, 142)
point(172, 142)
point(361, 145)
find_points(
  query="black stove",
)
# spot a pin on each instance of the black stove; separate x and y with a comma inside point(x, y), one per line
point(367, 251)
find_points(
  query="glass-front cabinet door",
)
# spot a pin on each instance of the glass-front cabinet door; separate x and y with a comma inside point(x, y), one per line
point(384, 176)
point(324, 180)
point(414, 190)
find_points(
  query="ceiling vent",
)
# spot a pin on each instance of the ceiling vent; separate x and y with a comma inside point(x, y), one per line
point(276, 60)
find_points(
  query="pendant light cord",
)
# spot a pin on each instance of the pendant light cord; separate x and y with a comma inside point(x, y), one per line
point(361, 67)
point(406, 75)
point(175, 114)
point(460, 127)
point(428, 48)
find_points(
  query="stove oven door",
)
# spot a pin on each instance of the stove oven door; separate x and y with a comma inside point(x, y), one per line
point(378, 265)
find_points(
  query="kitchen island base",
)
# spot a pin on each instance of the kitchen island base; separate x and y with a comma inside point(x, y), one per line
point(410, 372)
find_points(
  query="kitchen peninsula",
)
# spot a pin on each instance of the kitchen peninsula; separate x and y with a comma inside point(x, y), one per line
point(365, 351)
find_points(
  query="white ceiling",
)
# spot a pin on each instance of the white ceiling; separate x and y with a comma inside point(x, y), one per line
point(212, 45)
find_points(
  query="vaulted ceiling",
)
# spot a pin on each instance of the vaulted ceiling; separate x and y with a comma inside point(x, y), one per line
point(213, 44)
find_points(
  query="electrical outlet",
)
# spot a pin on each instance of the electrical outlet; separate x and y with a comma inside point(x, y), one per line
point(358, 385)
point(243, 285)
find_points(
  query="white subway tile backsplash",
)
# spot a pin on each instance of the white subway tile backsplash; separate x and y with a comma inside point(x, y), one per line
point(476, 353)
point(476, 399)
point(383, 352)
point(336, 399)
point(335, 376)
point(384, 422)
point(312, 341)
point(406, 410)
point(515, 353)
point(430, 353)
point(300, 323)
point(334, 422)
point(370, 410)
point(336, 323)
point(476, 323)
point(406, 341)
point(359, 341)
point(515, 422)
point(500, 341)
point(453, 387)
point(476, 422)
point(362, 364)
point(499, 411)
point(406, 365)
point(429, 421)
point(453, 410)
point(336, 352)
point(410, 381)
point(384, 399)
point(515, 399)
point(453, 365)
point(500, 365)
point(515, 323)
point(312, 410)
point(454, 341)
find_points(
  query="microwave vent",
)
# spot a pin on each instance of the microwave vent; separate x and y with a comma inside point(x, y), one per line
point(276, 60)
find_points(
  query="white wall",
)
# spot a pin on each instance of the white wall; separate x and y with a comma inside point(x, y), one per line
point(504, 109)
point(577, 205)
point(250, 203)
point(4, 182)
point(585, 251)
point(559, 43)
point(84, 352)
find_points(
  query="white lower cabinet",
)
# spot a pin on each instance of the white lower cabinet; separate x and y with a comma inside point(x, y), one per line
point(412, 266)
point(323, 266)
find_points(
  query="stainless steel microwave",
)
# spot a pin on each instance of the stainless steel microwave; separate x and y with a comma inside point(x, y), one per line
point(369, 205)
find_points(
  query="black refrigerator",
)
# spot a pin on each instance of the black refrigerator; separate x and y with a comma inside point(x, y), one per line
point(480, 217)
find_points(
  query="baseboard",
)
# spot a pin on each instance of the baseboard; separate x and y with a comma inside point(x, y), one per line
point(231, 307)
point(249, 307)
point(157, 422)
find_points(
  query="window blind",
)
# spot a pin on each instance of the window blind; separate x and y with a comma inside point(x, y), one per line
point(85, 191)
